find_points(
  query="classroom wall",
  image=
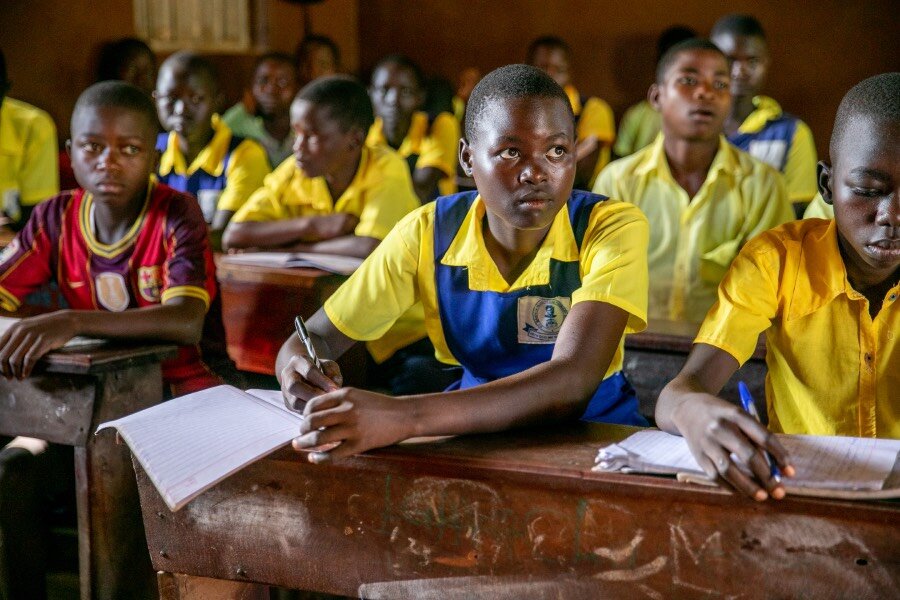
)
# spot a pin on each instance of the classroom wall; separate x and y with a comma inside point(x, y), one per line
point(820, 48)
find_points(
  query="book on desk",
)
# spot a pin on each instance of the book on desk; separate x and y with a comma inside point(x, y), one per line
point(333, 263)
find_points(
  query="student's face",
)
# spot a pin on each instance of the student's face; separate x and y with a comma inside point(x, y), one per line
point(396, 96)
point(319, 62)
point(863, 184)
point(274, 87)
point(321, 146)
point(113, 153)
point(552, 61)
point(140, 70)
point(749, 60)
point(185, 101)
point(522, 158)
point(694, 98)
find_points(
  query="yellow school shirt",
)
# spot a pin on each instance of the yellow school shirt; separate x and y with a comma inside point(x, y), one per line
point(380, 194)
point(247, 167)
point(29, 156)
point(833, 369)
point(639, 127)
point(818, 209)
point(400, 272)
point(435, 145)
point(594, 117)
point(694, 240)
point(800, 166)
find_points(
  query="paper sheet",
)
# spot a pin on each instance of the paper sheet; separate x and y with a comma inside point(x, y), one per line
point(333, 263)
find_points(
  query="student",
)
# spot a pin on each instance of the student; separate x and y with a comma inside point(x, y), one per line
point(264, 116)
point(199, 153)
point(704, 197)
point(131, 258)
point(595, 128)
point(317, 56)
point(825, 292)
point(640, 123)
point(545, 347)
point(756, 123)
point(130, 60)
point(428, 145)
point(28, 154)
point(468, 77)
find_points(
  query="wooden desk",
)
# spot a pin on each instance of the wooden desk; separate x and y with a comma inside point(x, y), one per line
point(656, 355)
point(517, 515)
point(73, 391)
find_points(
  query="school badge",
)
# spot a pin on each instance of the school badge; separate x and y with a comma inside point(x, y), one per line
point(541, 318)
point(150, 283)
point(11, 250)
point(112, 291)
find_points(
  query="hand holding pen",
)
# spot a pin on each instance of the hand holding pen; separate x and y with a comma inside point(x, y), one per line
point(306, 375)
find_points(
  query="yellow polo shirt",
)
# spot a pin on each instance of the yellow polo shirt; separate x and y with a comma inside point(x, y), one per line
point(400, 272)
point(694, 240)
point(29, 156)
point(833, 369)
point(595, 117)
point(246, 169)
point(818, 209)
point(638, 128)
point(435, 145)
point(800, 166)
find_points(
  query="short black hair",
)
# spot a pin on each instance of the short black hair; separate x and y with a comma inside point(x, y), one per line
point(314, 39)
point(546, 41)
point(511, 81)
point(193, 64)
point(347, 100)
point(116, 54)
point(117, 94)
point(670, 37)
point(876, 98)
point(279, 57)
point(743, 25)
point(672, 53)
point(404, 62)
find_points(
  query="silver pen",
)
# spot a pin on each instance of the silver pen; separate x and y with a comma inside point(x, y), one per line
point(303, 334)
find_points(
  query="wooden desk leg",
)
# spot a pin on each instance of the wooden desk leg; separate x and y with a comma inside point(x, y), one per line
point(177, 586)
point(112, 548)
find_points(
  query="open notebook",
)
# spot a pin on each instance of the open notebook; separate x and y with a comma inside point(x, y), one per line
point(75, 342)
point(827, 466)
point(333, 263)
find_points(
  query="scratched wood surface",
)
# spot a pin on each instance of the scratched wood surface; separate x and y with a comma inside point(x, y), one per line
point(499, 516)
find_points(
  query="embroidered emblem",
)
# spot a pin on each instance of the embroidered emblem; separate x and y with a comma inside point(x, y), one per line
point(150, 283)
point(541, 318)
point(11, 250)
point(209, 200)
point(112, 291)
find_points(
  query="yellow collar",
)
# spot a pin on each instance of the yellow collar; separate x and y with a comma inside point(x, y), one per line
point(766, 110)
point(725, 162)
point(412, 143)
point(87, 229)
point(211, 159)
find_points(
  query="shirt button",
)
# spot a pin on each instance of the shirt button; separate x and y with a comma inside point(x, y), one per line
point(892, 297)
point(868, 357)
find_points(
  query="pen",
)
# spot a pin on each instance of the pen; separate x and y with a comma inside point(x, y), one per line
point(750, 407)
point(304, 337)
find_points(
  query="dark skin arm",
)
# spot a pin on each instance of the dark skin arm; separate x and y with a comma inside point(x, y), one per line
point(281, 233)
point(217, 228)
point(714, 428)
point(425, 182)
point(348, 245)
point(359, 420)
point(180, 320)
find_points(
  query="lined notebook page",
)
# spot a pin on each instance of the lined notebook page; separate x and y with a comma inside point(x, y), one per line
point(822, 462)
point(189, 444)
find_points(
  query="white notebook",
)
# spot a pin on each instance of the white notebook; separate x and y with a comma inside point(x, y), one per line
point(188, 444)
point(333, 263)
point(826, 465)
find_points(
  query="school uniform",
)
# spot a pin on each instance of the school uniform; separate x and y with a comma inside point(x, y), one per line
point(593, 116)
point(250, 126)
point(694, 240)
point(782, 141)
point(164, 255)
point(639, 127)
point(223, 175)
point(818, 209)
point(832, 368)
point(425, 145)
point(380, 194)
point(29, 170)
point(595, 250)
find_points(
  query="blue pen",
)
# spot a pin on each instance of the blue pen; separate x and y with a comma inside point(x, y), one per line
point(750, 406)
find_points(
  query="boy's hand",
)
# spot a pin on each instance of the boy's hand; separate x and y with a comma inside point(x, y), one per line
point(715, 429)
point(301, 381)
point(327, 227)
point(352, 421)
point(30, 339)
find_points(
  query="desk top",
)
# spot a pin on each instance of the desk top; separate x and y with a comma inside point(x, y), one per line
point(106, 356)
point(302, 277)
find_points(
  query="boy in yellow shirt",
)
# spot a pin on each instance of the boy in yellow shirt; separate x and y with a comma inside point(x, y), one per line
point(527, 284)
point(704, 198)
point(825, 292)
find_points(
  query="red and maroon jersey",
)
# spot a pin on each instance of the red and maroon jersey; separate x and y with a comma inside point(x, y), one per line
point(164, 255)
